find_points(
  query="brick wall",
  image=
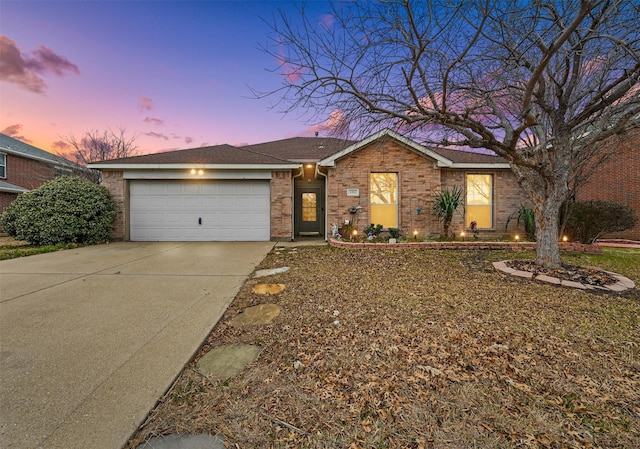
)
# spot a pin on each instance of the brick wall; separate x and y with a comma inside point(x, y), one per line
point(419, 180)
point(281, 205)
point(507, 198)
point(117, 186)
point(618, 179)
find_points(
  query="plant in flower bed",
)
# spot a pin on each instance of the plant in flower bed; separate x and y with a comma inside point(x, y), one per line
point(432, 349)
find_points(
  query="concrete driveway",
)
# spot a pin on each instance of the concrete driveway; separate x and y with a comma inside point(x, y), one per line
point(90, 338)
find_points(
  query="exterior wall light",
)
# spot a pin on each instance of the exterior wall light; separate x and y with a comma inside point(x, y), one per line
point(418, 210)
point(193, 171)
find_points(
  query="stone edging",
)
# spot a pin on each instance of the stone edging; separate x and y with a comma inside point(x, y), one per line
point(564, 246)
point(622, 285)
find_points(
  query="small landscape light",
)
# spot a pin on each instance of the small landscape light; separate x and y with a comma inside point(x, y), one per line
point(462, 234)
point(517, 237)
point(565, 238)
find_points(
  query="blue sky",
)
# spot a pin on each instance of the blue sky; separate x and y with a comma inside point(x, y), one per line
point(173, 73)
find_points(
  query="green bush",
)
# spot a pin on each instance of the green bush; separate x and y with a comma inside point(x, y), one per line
point(373, 230)
point(588, 220)
point(395, 233)
point(64, 210)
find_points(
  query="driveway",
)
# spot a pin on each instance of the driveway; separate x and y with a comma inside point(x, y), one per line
point(90, 338)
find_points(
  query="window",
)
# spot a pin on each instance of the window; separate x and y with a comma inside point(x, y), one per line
point(3, 165)
point(383, 191)
point(479, 200)
point(309, 207)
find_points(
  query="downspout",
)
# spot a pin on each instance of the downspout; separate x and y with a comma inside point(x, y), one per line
point(293, 201)
point(326, 198)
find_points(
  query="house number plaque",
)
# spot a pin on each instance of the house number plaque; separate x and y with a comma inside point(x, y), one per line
point(353, 192)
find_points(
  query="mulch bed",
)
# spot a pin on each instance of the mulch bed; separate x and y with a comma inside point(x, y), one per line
point(584, 275)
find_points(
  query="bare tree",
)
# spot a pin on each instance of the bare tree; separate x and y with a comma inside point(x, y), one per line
point(540, 83)
point(96, 146)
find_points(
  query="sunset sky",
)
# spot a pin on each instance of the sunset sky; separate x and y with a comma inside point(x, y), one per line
point(176, 74)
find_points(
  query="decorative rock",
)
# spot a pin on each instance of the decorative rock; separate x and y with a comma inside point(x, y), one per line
point(268, 289)
point(174, 441)
point(270, 271)
point(549, 279)
point(226, 361)
point(260, 314)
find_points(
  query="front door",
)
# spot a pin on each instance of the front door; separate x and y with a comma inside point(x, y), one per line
point(309, 210)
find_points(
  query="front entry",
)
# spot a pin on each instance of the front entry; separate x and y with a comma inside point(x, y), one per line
point(309, 209)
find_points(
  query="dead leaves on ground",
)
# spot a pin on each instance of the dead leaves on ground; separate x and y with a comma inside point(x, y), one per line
point(415, 349)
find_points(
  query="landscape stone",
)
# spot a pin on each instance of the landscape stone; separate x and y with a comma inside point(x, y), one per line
point(260, 314)
point(226, 361)
point(187, 441)
point(268, 289)
point(270, 271)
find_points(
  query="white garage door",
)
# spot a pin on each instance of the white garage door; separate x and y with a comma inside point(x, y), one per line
point(199, 210)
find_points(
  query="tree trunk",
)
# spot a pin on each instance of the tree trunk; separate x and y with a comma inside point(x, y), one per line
point(547, 244)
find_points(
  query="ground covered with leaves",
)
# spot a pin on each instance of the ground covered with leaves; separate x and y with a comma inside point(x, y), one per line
point(419, 349)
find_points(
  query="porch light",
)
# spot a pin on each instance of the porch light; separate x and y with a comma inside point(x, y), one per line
point(309, 165)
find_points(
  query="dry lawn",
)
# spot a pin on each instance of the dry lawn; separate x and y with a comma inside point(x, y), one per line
point(433, 349)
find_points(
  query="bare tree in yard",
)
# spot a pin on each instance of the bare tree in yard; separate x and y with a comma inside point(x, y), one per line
point(540, 83)
point(96, 146)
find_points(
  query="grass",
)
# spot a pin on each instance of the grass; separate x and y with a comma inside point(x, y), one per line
point(434, 349)
point(10, 249)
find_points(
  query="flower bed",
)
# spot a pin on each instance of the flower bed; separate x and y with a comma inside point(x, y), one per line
point(564, 246)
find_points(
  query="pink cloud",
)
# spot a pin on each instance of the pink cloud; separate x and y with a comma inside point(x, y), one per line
point(326, 21)
point(25, 71)
point(337, 125)
point(154, 121)
point(15, 132)
point(145, 104)
point(157, 135)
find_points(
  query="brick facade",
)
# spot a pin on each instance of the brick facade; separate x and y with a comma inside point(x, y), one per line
point(281, 205)
point(419, 180)
point(618, 180)
point(507, 198)
point(116, 184)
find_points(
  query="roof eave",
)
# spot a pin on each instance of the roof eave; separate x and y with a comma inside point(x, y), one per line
point(331, 160)
point(122, 167)
point(477, 165)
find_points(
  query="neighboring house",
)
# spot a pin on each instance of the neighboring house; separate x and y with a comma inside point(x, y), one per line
point(303, 187)
point(24, 167)
point(618, 179)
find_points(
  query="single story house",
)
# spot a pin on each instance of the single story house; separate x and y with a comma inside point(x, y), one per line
point(24, 167)
point(305, 186)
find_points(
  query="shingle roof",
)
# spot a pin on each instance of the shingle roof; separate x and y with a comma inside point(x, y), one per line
point(292, 150)
point(469, 157)
point(219, 154)
point(11, 145)
point(301, 149)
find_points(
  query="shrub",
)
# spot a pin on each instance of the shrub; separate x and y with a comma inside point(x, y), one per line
point(445, 206)
point(588, 220)
point(528, 219)
point(395, 233)
point(64, 210)
point(373, 230)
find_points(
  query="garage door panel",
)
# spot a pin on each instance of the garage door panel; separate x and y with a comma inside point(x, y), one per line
point(228, 210)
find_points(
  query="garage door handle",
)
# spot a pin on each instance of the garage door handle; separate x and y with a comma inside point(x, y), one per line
point(200, 220)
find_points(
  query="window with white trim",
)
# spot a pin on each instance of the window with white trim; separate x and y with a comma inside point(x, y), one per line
point(383, 199)
point(479, 204)
point(3, 165)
